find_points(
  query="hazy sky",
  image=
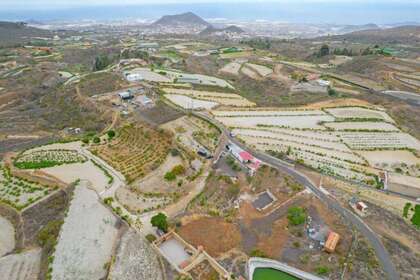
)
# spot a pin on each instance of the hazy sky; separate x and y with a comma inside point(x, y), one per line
point(45, 4)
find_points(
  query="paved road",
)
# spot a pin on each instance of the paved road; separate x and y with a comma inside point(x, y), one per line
point(368, 233)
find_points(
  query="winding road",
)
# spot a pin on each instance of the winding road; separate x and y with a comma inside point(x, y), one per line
point(382, 254)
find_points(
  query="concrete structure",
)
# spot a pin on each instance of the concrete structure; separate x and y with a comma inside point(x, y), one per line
point(254, 263)
point(184, 257)
point(144, 101)
point(403, 184)
point(264, 200)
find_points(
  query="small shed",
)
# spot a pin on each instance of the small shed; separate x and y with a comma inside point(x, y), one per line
point(331, 242)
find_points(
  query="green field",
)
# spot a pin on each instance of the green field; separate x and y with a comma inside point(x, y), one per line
point(271, 274)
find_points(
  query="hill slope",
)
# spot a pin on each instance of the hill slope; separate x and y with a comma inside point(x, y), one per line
point(12, 33)
point(216, 31)
point(401, 35)
point(185, 19)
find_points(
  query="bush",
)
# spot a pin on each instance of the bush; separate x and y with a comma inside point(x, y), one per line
point(258, 253)
point(169, 176)
point(296, 215)
point(178, 170)
point(322, 270)
point(151, 238)
point(174, 152)
point(416, 217)
point(111, 134)
point(160, 221)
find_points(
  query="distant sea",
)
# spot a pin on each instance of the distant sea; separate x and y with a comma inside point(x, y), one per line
point(339, 13)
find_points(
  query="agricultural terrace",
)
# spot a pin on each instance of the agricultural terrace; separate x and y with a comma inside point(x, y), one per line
point(227, 99)
point(359, 113)
point(136, 151)
point(261, 70)
point(325, 142)
point(17, 192)
point(186, 102)
point(47, 158)
point(231, 68)
point(148, 75)
point(198, 79)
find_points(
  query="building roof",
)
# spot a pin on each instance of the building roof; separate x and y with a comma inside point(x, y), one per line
point(246, 156)
point(331, 242)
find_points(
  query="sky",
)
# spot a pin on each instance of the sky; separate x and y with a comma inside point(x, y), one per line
point(43, 4)
point(293, 11)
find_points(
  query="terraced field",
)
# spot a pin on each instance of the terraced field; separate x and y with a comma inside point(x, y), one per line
point(136, 151)
point(220, 98)
point(47, 158)
point(19, 193)
point(331, 140)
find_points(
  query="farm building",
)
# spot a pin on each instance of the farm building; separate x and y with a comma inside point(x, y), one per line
point(323, 83)
point(361, 206)
point(331, 242)
point(133, 77)
point(150, 46)
point(125, 95)
point(191, 80)
point(244, 157)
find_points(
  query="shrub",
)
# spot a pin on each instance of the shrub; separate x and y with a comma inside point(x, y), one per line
point(416, 217)
point(296, 215)
point(174, 152)
point(160, 221)
point(322, 270)
point(169, 176)
point(178, 170)
point(151, 238)
point(258, 253)
point(406, 208)
point(111, 134)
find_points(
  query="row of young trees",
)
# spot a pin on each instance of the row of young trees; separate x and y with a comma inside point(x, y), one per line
point(325, 50)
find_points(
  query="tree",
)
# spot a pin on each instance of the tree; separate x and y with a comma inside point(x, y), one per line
point(325, 50)
point(101, 62)
point(296, 215)
point(111, 134)
point(96, 140)
point(160, 221)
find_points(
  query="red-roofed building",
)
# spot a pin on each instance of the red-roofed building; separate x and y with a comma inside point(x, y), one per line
point(245, 156)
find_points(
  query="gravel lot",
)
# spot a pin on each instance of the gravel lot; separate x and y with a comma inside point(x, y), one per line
point(86, 238)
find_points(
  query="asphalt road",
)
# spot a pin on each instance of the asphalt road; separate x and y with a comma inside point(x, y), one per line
point(382, 254)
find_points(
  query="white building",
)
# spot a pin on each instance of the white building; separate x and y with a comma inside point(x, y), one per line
point(323, 83)
point(133, 77)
